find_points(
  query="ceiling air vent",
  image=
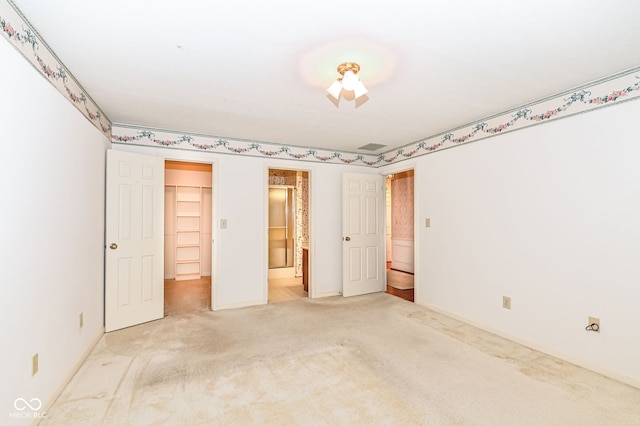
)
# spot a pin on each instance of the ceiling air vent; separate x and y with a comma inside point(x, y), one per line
point(371, 147)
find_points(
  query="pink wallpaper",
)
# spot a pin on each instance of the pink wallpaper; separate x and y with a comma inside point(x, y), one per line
point(402, 206)
point(282, 177)
point(304, 190)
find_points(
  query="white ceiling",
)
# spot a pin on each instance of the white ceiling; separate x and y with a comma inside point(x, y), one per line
point(258, 70)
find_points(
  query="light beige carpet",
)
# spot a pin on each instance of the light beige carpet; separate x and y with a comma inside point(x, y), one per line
point(366, 360)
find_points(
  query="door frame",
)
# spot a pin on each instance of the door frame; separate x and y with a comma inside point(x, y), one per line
point(188, 157)
point(214, 215)
point(416, 266)
point(265, 219)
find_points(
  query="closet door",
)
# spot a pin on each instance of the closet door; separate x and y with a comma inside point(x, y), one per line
point(134, 236)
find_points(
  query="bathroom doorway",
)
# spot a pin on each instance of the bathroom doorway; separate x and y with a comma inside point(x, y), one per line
point(288, 235)
point(400, 234)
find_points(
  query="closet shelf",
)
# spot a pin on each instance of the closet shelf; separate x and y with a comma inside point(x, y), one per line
point(188, 209)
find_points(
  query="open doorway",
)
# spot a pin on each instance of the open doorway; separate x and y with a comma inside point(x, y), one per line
point(288, 235)
point(187, 237)
point(400, 234)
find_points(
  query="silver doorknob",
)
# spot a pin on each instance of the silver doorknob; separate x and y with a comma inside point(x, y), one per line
point(347, 238)
point(113, 246)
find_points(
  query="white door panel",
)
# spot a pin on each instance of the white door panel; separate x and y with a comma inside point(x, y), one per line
point(364, 234)
point(134, 275)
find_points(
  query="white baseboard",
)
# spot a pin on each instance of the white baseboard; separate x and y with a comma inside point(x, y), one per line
point(257, 303)
point(237, 305)
point(56, 393)
point(329, 294)
point(549, 351)
point(173, 277)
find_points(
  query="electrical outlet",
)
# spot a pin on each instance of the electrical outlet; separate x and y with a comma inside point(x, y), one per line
point(34, 365)
point(506, 302)
point(81, 319)
point(594, 324)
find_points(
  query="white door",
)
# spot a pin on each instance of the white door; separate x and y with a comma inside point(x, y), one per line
point(363, 227)
point(134, 270)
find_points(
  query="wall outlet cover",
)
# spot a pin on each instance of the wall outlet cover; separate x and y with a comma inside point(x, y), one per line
point(506, 302)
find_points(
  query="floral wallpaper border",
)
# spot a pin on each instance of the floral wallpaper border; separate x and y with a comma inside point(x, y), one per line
point(615, 89)
point(612, 90)
point(164, 138)
point(15, 28)
point(618, 88)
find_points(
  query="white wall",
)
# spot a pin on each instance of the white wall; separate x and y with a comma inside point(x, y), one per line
point(240, 197)
point(549, 216)
point(52, 217)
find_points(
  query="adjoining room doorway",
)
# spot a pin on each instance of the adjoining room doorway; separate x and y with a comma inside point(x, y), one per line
point(288, 235)
point(188, 236)
point(400, 234)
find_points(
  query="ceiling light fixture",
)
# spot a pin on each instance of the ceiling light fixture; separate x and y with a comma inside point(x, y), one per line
point(349, 81)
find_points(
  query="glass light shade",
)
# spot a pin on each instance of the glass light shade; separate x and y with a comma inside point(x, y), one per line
point(359, 89)
point(335, 89)
point(349, 80)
